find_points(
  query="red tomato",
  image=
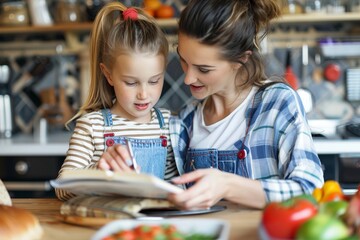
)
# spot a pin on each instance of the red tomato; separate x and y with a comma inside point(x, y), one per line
point(126, 235)
point(109, 238)
point(282, 219)
point(169, 229)
point(156, 231)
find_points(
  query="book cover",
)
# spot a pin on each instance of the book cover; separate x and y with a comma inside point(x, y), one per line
point(108, 183)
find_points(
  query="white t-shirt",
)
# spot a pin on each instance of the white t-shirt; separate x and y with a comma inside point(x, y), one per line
point(223, 134)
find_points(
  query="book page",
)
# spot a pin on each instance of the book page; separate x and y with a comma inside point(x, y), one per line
point(108, 183)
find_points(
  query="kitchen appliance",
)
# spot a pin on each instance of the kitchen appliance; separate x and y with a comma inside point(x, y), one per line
point(6, 121)
point(28, 176)
point(343, 168)
point(352, 84)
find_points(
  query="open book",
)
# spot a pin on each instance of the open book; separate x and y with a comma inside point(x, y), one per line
point(108, 183)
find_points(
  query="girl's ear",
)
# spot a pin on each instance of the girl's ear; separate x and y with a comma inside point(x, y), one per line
point(106, 73)
point(243, 59)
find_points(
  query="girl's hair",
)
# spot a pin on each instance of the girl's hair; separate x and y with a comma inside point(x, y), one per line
point(111, 36)
point(235, 26)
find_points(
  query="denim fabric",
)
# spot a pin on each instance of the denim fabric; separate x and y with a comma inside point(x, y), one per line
point(227, 161)
point(150, 154)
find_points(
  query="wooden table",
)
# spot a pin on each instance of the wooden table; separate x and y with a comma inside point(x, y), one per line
point(243, 222)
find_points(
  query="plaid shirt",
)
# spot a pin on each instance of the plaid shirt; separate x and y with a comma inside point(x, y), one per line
point(282, 154)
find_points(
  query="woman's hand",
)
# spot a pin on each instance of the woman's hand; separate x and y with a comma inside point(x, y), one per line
point(116, 158)
point(209, 188)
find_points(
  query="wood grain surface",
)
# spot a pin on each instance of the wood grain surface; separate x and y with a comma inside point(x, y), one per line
point(243, 222)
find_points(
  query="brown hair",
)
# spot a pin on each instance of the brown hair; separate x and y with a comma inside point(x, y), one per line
point(235, 26)
point(112, 35)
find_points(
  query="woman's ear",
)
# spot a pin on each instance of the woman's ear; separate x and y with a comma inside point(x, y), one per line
point(106, 73)
point(246, 56)
point(242, 60)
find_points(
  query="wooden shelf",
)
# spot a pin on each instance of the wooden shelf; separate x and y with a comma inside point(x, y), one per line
point(318, 18)
point(172, 23)
point(72, 27)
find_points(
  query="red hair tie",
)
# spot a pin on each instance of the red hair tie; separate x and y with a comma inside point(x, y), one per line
point(130, 13)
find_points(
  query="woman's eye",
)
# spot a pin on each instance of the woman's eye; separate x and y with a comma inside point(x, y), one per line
point(204, 70)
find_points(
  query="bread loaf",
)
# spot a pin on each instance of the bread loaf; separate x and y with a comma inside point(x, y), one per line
point(4, 195)
point(18, 224)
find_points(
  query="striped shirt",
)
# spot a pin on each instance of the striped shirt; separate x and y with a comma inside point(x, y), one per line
point(282, 154)
point(87, 142)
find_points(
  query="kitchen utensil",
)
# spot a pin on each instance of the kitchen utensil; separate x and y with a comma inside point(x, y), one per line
point(6, 125)
point(7, 115)
point(289, 74)
point(317, 74)
point(39, 13)
point(304, 93)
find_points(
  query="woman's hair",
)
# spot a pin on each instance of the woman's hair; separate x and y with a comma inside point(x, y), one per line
point(111, 36)
point(235, 26)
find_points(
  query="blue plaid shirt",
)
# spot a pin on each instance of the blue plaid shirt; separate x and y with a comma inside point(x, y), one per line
point(282, 154)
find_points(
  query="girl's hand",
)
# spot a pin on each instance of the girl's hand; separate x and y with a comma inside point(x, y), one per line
point(116, 158)
point(209, 188)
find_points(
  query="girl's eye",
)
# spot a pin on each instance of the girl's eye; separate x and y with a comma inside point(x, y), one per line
point(130, 83)
point(154, 82)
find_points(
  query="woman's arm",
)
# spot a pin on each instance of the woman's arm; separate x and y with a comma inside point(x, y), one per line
point(212, 185)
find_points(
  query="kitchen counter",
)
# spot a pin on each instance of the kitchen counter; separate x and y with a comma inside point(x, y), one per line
point(243, 222)
point(56, 144)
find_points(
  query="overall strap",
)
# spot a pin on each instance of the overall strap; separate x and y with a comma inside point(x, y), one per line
point(107, 117)
point(160, 117)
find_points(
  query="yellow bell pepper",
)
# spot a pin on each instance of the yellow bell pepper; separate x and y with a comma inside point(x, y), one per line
point(331, 190)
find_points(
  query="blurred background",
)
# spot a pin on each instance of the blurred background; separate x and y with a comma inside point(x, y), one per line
point(44, 76)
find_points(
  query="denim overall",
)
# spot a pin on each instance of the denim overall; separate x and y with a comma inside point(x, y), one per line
point(150, 154)
point(232, 161)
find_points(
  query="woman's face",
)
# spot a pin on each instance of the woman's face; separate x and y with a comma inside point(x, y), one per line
point(138, 81)
point(205, 71)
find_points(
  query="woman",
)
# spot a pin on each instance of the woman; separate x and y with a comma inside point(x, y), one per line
point(246, 139)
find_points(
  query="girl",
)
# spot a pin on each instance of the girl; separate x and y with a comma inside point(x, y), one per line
point(128, 53)
point(247, 139)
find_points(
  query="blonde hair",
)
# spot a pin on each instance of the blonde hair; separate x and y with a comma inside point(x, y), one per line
point(113, 35)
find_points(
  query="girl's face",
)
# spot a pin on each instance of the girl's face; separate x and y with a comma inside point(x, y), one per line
point(205, 72)
point(138, 80)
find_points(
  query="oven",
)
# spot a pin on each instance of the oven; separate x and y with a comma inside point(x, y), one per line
point(344, 168)
point(29, 177)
